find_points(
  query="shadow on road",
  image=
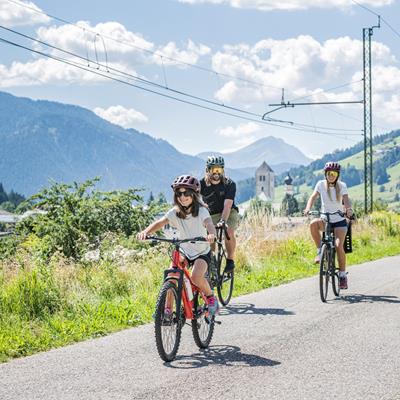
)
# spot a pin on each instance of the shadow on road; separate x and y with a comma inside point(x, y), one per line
point(221, 355)
point(248, 308)
point(364, 298)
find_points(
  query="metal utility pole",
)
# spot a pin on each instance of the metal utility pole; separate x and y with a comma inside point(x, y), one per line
point(368, 178)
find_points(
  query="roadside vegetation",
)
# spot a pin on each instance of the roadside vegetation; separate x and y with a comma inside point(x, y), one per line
point(77, 271)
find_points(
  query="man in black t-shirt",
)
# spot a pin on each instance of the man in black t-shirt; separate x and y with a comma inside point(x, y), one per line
point(219, 194)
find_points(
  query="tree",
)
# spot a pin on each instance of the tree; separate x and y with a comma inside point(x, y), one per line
point(289, 205)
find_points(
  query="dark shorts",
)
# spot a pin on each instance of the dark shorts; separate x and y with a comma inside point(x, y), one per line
point(205, 257)
point(340, 224)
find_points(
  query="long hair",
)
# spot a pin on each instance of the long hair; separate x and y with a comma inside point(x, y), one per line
point(208, 176)
point(181, 212)
point(337, 189)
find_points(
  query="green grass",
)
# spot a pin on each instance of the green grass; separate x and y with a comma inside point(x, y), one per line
point(45, 305)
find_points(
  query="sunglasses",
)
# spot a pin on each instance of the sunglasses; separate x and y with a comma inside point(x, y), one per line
point(186, 193)
point(217, 170)
point(332, 173)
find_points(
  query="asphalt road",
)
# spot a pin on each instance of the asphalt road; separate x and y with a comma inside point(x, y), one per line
point(281, 343)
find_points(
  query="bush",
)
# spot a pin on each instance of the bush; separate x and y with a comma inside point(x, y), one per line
point(77, 216)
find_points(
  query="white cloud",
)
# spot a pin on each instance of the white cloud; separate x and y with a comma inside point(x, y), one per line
point(302, 66)
point(119, 115)
point(12, 14)
point(48, 71)
point(290, 5)
point(190, 55)
point(130, 50)
point(129, 46)
point(241, 130)
point(239, 136)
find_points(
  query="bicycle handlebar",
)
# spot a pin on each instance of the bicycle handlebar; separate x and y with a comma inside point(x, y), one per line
point(341, 213)
point(225, 228)
point(175, 240)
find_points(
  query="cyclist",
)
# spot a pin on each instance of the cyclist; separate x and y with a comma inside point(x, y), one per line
point(218, 192)
point(192, 219)
point(334, 197)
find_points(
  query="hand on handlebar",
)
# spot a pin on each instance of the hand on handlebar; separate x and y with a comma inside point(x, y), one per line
point(211, 238)
point(221, 223)
point(142, 235)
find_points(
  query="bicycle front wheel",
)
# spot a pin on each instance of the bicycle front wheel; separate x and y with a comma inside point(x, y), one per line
point(168, 324)
point(324, 273)
point(202, 324)
point(225, 287)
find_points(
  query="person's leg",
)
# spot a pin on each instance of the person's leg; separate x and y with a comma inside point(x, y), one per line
point(316, 227)
point(198, 276)
point(230, 244)
point(340, 234)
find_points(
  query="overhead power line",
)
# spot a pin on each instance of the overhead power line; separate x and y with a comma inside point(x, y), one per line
point(122, 74)
point(109, 75)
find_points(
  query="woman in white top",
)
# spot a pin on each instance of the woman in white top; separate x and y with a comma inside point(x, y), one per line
point(192, 219)
point(334, 196)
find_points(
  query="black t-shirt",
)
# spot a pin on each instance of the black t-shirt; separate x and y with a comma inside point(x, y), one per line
point(215, 195)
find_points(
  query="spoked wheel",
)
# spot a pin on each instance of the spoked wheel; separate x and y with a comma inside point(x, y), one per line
point(335, 283)
point(324, 273)
point(202, 324)
point(168, 323)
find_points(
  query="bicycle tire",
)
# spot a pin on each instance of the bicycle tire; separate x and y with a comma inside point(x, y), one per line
point(324, 273)
point(335, 282)
point(225, 287)
point(167, 348)
point(202, 325)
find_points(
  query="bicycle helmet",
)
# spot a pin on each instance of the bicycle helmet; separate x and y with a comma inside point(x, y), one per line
point(332, 166)
point(186, 181)
point(215, 160)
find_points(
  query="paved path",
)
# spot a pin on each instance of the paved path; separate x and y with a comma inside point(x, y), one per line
point(281, 343)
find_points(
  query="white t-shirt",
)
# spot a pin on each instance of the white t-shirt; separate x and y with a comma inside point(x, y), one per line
point(331, 204)
point(191, 227)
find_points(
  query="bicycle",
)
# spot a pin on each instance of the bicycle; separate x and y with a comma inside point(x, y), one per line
point(327, 265)
point(184, 300)
point(220, 279)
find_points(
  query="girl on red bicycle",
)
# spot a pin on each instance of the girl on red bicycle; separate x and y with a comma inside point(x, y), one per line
point(334, 196)
point(192, 219)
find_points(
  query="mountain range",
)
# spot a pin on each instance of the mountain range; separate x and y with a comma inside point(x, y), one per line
point(43, 140)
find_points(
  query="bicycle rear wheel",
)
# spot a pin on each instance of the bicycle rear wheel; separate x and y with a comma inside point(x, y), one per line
point(324, 273)
point(225, 287)
point(202, 324)
point(168, 325)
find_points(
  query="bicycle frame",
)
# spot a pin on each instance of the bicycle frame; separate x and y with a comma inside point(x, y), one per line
point(179, 265)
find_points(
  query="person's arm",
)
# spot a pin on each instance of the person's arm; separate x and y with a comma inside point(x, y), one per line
point(310, 202)
point(228, 203)
point(229, 199)
point(347, 206)
point(212, 233)
point(154, 227)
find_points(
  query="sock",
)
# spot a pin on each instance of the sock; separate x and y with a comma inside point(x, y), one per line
point(342, 274)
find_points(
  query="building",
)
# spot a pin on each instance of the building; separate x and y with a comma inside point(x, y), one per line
point(265, 182)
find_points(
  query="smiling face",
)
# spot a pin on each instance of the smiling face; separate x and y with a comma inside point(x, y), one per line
point(216, 172)
point(184, 196)
point(331, 176)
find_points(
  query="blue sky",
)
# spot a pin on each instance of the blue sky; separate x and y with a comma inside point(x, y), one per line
point(239, 53)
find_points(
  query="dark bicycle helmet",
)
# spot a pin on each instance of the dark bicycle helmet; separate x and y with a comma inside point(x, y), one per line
point(186, 181)
point(332, 166)
point(215, 160)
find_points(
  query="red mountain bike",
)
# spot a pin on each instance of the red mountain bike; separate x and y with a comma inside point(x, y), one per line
point(179, 300)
